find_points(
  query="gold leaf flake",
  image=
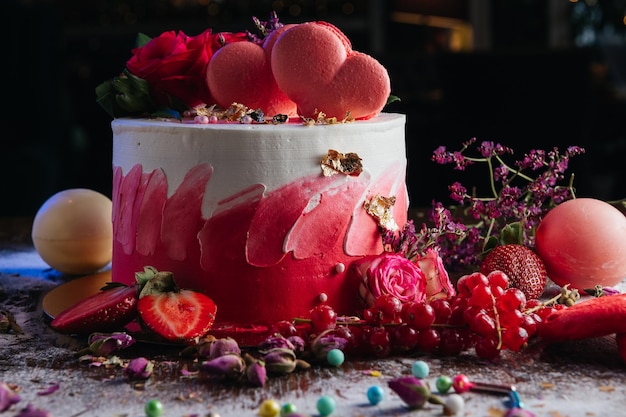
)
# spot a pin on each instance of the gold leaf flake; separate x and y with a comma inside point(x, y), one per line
point(607, 388)
point(547, 385)
point(338, 163)
point(381, 208)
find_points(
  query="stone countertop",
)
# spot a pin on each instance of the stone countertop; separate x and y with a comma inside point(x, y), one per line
point(584, 378)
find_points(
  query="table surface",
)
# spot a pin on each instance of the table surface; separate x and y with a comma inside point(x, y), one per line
point(584, 378)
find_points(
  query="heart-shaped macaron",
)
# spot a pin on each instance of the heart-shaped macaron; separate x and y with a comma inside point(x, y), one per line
point(314, 64)
point(240, 72)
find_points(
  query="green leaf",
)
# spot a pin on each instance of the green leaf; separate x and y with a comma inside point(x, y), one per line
point(512, 233)
point(142, 39)
point(392, 98)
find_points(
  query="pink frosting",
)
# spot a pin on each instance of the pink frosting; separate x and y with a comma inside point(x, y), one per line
point(261, 257)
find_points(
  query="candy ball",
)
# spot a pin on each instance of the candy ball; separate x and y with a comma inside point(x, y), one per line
point(375, 394)
point(420, 369)
point(326, 405)
point(582, 242)
point(73, 233)
point(335, 357)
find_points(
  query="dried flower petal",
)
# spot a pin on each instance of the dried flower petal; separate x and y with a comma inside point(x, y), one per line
point(104, 344)
point(8, 396)
point(414, 391)
point(256, 373)
point(8, 323)
point(224, 346)
point(138, 368)
point(31, 411)
point(230, 365)
point(280, 361)
point(276, 341)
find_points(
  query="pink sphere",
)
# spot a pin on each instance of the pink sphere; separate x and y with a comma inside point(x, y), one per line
point(583, 243)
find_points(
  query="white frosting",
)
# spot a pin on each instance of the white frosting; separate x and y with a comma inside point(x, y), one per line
point(246, 154)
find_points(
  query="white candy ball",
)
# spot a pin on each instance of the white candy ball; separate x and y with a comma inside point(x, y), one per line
point(73, 233)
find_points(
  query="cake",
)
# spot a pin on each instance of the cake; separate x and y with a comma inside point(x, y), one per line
point(245, 213)
point(261, 208)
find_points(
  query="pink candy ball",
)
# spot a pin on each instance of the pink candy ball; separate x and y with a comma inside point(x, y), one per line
point(583, 243)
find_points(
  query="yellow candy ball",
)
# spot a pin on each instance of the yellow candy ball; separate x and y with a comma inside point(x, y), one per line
point(73, 233)
point(269, 408)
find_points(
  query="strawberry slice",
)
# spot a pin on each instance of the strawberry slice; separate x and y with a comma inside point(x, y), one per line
point(178, 315)
point(108, 310)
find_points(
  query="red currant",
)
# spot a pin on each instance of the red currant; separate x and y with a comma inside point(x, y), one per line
point(514, 338)
point(428, 340)
point(404, 338)
point(483, 325)
point(442, 310)
point(323, 317)
point(512, 299)
point(481, 296)
point(419, 315)
point(487, 348)
point(285, 328)
point(451, 343)
point(377, 341)
point(498, 278)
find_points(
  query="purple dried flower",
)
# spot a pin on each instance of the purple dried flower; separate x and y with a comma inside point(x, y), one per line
point(280, 361)
point(327, 341)
point(230, 365)
point(414, 391)
point(256, 373)
point(600, 291)
point(224, 346)
point(519, 192)
point(104, 344)
point(276, 341)
point(138, 368)
point(298, 344)
point(31, 411)
point(8, 396)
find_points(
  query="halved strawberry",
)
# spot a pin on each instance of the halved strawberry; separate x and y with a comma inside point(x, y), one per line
point(178, 315)
point(108, 310)
point(521, 264)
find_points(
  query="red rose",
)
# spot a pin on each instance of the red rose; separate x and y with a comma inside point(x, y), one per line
point(174, 65)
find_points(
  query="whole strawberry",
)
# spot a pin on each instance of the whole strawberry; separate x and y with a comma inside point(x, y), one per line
point(523, 266)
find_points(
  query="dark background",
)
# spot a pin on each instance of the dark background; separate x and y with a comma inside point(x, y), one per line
point(520, 88)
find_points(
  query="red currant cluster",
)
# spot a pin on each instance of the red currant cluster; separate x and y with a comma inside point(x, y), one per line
point(486, 315)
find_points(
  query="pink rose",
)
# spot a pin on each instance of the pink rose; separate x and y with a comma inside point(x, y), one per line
point(438, 283)
point(389, 273)
point(174, 65)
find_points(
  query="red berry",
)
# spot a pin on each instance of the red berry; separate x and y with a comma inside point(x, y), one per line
point(405, 338)
point(428, 340)
point(419, 315)
point(323, 317)
point(376, 341)
point(487, 348)
point(514, 338)
point(512, 299)
point(442, 310)
point(285, 328)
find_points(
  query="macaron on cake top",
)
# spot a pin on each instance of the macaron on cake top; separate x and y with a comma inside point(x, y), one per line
point(307, 69)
